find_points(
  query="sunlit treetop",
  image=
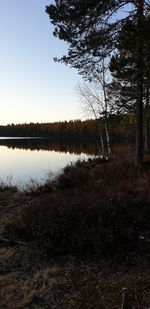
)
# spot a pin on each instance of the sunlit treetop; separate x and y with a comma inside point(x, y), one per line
point(91, 28)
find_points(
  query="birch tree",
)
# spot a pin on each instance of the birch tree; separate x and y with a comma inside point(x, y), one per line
point(91, 29)
point(95, 102)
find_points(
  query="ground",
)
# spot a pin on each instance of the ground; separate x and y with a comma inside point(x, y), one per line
point(35, 274)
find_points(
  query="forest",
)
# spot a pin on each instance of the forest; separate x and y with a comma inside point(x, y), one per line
point(121, 128)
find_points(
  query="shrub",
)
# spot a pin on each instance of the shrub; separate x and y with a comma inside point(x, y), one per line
point(81, 226)
point(100, 209)
point(73, 177)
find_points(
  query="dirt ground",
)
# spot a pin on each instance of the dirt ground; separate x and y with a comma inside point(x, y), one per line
point(28, 279)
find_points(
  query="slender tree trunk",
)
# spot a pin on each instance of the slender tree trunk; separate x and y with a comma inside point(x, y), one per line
point(139, 101)
point(106, 112)
point(101, 138)
point(102, 144)
point(108, 140)
point(147, 122)
point(147, 134)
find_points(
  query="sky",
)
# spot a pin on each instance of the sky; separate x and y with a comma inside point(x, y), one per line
point(33, 88)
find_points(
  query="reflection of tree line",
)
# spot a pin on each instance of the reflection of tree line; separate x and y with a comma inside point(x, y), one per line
point(48, 144)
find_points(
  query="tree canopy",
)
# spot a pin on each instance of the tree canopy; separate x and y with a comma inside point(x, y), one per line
point(124, 70)
point(92, 29)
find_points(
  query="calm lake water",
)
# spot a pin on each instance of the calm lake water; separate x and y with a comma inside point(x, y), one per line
point(24, 159)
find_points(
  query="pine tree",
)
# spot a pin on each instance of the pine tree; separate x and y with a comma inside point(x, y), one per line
point(122, 89)
point(91, 28)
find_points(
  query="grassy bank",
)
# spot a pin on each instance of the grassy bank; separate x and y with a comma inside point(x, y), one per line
point(80, 241)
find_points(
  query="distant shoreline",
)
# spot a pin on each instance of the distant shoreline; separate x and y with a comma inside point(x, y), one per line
point(23, 137)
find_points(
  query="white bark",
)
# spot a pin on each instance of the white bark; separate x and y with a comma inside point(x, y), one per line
point(96, 103)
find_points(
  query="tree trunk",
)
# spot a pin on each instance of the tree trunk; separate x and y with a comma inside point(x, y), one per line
point(147, 122)
point(106, 111)
point(147, 130)
point(139, 101)
point(147, 134)
point(108, 140)
point(102, 144)
point(101, 138)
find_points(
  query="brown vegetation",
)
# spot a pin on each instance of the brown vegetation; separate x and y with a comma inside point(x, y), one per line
point(83, 240)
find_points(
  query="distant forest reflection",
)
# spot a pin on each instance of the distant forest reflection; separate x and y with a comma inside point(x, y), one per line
point(23, 159)
point(91, 148)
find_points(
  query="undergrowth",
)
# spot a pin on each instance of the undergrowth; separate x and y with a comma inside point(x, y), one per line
point(95, 207)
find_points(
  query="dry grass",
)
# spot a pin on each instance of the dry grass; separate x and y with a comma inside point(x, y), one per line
point(75, 284)
point(86, 238)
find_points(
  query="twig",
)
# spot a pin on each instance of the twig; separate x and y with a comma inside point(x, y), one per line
point(123, 298)
point(12, 241)
point(12, 205)
point(8, 270)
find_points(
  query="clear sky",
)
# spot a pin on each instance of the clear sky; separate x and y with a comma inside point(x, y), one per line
point(33, 88)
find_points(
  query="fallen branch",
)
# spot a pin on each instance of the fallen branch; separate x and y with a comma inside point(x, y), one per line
point(123, 298)
point(12, 241)
point(12, 205)
point(4, 271)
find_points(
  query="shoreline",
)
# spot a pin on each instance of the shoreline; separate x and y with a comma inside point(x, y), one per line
point(80, 241)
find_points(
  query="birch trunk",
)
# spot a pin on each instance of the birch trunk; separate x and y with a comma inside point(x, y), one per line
point(147, 122)
point(139, 101)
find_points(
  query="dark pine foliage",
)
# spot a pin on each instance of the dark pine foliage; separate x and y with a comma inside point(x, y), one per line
point(91, 29)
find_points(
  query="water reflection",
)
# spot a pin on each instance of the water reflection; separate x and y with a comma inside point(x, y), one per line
point(90, 148)
point(23, 159)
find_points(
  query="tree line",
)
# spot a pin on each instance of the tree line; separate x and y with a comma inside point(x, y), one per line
point(121, 128)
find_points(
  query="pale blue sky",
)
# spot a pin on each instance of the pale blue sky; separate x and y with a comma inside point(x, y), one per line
point(32, 87)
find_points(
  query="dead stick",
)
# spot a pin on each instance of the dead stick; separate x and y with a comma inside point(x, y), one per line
point(123, 298)
point(11, 241)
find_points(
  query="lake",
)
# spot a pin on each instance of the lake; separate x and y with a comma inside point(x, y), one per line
point(26, 159)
